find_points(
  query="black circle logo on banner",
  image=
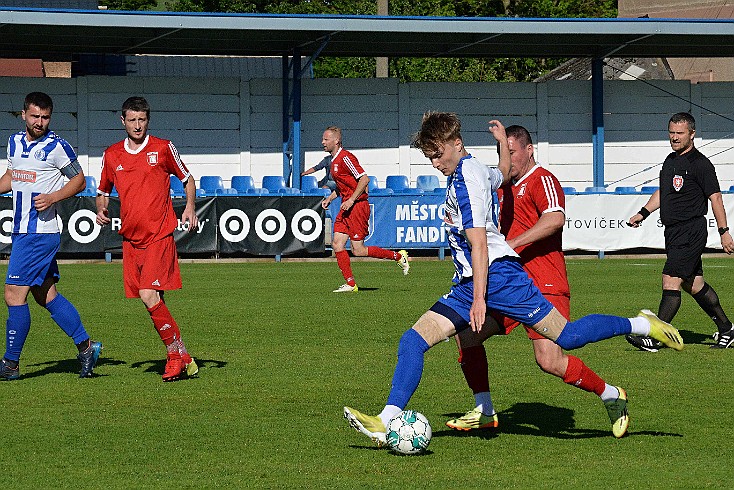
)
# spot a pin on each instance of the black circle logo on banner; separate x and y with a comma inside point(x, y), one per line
point(234, 225)
point(6, 226)
point(270, 225)
point(307, 225)
point(83, 227)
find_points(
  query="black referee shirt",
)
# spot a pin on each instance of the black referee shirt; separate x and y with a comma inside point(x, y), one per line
point(686, 182)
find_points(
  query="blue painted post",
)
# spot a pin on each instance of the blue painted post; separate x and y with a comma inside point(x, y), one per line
point(597, 119)
point(285, 89)
point(296, 168)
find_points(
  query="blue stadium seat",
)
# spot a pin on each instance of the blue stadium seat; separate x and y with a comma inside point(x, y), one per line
point(177, 188)
point(242, 183)
point(381, 191)
point(427, 183)
point(90, 187)
point(625, 190)
point(289, 191)
point(310, 187)
point(273, 183)
point(225, 192)
point(648, 189)
point(731, 189)
point(397, 183)
point(597, 190)
point(257, 191)
point(401, 185)
point(373, 184)
point(569, 191)
point(210, 184)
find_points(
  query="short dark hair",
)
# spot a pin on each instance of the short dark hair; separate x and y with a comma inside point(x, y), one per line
point(436, 128)
point(38, 99)
point(521, 134)
point(136, 104)
point(686, 117)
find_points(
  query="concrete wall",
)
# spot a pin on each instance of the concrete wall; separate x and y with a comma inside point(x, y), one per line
point(231, 126)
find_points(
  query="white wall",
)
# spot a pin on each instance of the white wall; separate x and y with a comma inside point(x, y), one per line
point(232, 126)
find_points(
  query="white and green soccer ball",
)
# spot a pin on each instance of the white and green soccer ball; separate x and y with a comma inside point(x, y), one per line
point(408, 432)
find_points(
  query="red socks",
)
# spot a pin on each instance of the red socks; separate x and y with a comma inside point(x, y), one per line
point(342, 260)
point(473, 362)
point(580, 376)
point(164, 323)
point(381, 253)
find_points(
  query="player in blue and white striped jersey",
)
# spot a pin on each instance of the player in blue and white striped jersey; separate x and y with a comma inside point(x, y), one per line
point(489, 276)
point(42, 170)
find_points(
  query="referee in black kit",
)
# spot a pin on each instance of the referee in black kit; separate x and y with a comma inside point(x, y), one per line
point(687, 180)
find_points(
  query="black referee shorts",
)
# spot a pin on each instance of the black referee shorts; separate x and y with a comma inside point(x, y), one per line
point(684, 244)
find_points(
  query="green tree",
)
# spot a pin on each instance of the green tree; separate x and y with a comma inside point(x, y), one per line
point(420, 69)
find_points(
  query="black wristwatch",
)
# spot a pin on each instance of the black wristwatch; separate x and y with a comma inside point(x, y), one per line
point(723, 230)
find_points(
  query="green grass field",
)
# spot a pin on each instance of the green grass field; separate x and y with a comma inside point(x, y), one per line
point(280, 355)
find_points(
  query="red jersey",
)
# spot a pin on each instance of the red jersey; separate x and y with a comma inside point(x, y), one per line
point(346, 171)
point(142, 178)
point(521, 205)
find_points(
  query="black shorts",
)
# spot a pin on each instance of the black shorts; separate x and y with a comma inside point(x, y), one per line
point(684, 244)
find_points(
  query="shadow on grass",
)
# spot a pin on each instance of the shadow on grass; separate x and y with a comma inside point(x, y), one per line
point(697, 338)
point(157, 366)
point(67, 366)
point(539, 419)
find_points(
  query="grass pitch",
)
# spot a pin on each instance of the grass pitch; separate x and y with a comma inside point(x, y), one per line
point(279, 356)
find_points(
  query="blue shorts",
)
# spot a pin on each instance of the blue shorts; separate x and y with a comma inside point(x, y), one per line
point(510, 292)
point(33, 259)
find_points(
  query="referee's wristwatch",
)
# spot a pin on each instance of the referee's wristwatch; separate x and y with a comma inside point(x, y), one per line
point(723, 230)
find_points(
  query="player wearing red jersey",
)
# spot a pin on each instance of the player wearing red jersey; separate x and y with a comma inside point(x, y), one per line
point(139, 167)
point(352, 221)
point(532, 217)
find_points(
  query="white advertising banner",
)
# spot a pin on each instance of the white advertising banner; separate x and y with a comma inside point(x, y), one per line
point(599, 222)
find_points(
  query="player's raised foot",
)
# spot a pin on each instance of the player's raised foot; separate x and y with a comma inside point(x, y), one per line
point(88, 358)
point(473, 420)
point(369, 425)
point(8, 373)
point(346, 288)
point(647, 344)
point(662, 331)
point(189, 365)
point(175, 367)
point(618, 416)
point(403, 262)
point(724, 340)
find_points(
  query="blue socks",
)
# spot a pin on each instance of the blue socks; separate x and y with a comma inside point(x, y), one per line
point(16, 330)
point(592, 328)
point(66, 317)
point(409, 369)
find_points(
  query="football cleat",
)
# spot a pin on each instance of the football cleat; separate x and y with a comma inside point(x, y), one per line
point(473, 420)
point(662, 331)
point(369, 425)
point(618, 416)
point(724, 340)
point(346, 288)
point(88, 358)
point(189, 365)
point(174, 367)
point(8, 373)
point(403, 262)
point(647, 344)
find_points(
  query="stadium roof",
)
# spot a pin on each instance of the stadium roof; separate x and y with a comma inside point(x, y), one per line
point(60, 34)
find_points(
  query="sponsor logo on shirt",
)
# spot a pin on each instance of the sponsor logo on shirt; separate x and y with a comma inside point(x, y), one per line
point(677, 182)
point(152, 158)
point(119, 168)
point(24, 176)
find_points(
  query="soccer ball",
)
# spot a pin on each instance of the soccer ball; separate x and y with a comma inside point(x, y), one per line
point(408, 432)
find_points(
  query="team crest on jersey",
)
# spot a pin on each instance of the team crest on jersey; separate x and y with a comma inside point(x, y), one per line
point(152, 158)
point(677, 182)
point(40, 155)
point(521, 192)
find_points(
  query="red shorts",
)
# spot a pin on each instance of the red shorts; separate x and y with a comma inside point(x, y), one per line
point(562, 304)
point(355, 222)
point(154, 267)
